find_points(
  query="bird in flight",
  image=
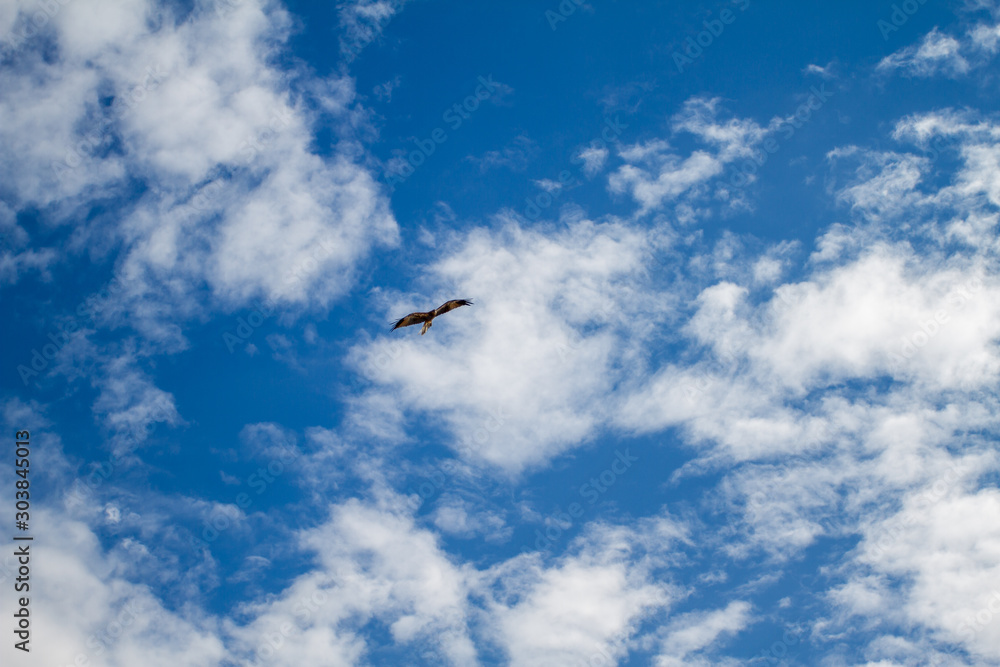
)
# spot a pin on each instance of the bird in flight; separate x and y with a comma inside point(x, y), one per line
point(416, 318)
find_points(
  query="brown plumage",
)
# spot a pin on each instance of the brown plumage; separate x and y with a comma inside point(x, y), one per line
point(417, 318)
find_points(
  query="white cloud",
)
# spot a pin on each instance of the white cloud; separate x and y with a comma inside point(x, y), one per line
point(202, 117)
point(360, 575)
point(548, 185)
point(884, 313)
point(881, 314)
point(775, 387)
point(587, 604)
point(696, 631)
point(456, 516)
point(362, 22)
point(986, 37)
point(937, 53)
point(97, 613)
point(519, 376)
point(886, 183)
point(13, 265)
point(944, 545)
point(767, 270)
point(675, 177)
point(977, 142)
point(267, 440)
point(827, 72)
point(733, 138)
point(947, 55)
point(654, 174)
point(585, 608)
point(593, 158)
point(130, 404)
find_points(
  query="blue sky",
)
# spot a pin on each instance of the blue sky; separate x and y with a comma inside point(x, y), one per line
point(726, 394)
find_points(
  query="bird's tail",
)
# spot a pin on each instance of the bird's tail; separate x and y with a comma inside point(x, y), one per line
point(427, 325)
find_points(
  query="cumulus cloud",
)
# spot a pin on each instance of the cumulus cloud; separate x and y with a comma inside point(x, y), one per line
point(190, 105)
point(100, 615)
point(360, 576)
point(943, 545)
point(583, 609)
point(588, 603)
point(531, 359)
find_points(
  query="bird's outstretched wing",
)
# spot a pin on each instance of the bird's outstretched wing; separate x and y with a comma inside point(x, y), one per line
point(412, 318)
point(450, 305)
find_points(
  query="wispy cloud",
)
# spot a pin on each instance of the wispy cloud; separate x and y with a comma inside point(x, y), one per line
point(654, 174)
point(937, 53)
point(515, 156)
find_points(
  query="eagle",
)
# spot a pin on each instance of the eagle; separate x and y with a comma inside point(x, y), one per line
point(416, 318)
